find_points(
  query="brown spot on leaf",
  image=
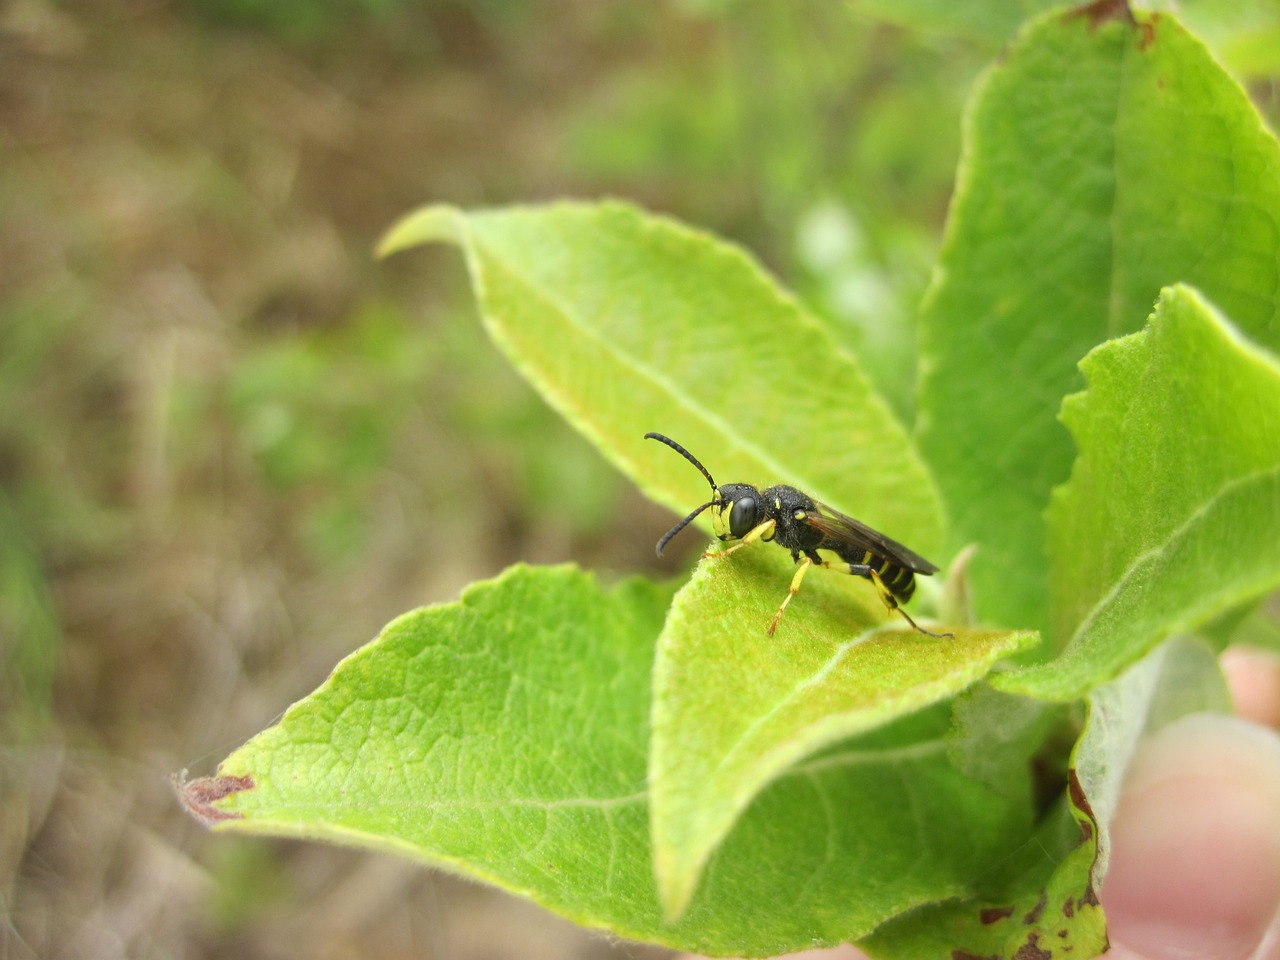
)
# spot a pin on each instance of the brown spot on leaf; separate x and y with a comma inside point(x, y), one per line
point(1038, 909)
point(1031, 950)
point(1069, 908)
point(1076, 789)
point(1101, 11)
point(1090, 898)
point(1148, 28)
point(994, 914)
point(966, 955)
point(199, 795)
point(1081, 803)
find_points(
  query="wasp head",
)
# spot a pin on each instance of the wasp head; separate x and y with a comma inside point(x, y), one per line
point(736, 508)
point(737, 511)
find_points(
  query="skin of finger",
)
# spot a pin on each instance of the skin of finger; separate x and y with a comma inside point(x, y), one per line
point(1254, 678)
point(1195, 864)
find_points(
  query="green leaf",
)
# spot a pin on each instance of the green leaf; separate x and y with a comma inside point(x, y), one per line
point(627, 323)
point(1245, 34)
point(1056, 919)
point(501, 735)
point(1005, 741)
point(735, 708)
point(505, 736)
point(1177, 678)
point(1039, 898)
point(1104, 159)
point(1172, 513)
point(1048, 907)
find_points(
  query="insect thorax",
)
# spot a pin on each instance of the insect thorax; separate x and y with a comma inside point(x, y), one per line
point(789, 506)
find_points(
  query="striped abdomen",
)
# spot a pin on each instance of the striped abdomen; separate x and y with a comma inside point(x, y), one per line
point(900, 580)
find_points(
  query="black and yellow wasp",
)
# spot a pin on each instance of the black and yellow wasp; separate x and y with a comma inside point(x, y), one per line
point(794, 520)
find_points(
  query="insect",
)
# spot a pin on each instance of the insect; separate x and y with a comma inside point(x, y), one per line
point(794, 520)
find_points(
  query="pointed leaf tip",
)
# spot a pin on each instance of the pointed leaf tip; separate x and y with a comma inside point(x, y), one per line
point(627, 322)
point(435, 223)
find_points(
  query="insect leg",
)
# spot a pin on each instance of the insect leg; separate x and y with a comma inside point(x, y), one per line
point(763, 530)
point(805, 564)
point(886, 595)
point(868, 572)
point(891, 602)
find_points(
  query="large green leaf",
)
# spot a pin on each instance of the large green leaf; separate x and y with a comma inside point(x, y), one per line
point(1172, 513)
point(1053, 916)
point(628, 323)
point(1104, 158)
point(734, 708)
point(1042, 901)
point(505, 736)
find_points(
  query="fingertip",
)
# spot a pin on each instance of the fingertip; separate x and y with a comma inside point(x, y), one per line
point(1253, 676)
point(1195, 863)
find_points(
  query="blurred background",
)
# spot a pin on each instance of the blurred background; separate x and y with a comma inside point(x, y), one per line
point(233, 446)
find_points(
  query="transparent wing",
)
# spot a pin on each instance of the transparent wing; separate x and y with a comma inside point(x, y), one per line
point(837, 526)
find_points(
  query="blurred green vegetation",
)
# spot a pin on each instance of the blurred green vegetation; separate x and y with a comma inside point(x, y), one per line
point(232, 445)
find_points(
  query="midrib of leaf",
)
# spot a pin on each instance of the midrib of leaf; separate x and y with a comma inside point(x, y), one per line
point(1210, 237)
point(532, 803)
point(1084, 662)
point(862, 757)
point(787, 699)
point(570, 319)
point(1117, 319)
point(1184, 529)
point(1006, 588)
point(775, 470)
point(845, 721)
point(848, 759)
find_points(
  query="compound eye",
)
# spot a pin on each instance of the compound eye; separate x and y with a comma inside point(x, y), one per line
point(742, 518)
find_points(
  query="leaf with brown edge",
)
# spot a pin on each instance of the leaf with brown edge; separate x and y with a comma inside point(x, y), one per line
point(199, 796)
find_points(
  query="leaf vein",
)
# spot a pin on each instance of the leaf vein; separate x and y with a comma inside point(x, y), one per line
point(1182, 530)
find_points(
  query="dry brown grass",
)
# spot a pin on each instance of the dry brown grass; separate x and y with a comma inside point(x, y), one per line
point(175, 196)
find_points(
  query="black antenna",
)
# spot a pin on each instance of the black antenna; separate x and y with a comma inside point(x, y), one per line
point(706, 473)
point(681, 525)
point(687, 455)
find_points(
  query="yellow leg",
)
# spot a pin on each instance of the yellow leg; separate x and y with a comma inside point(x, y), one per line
point(752, 537)
point(805, 564)
point(891, 604)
